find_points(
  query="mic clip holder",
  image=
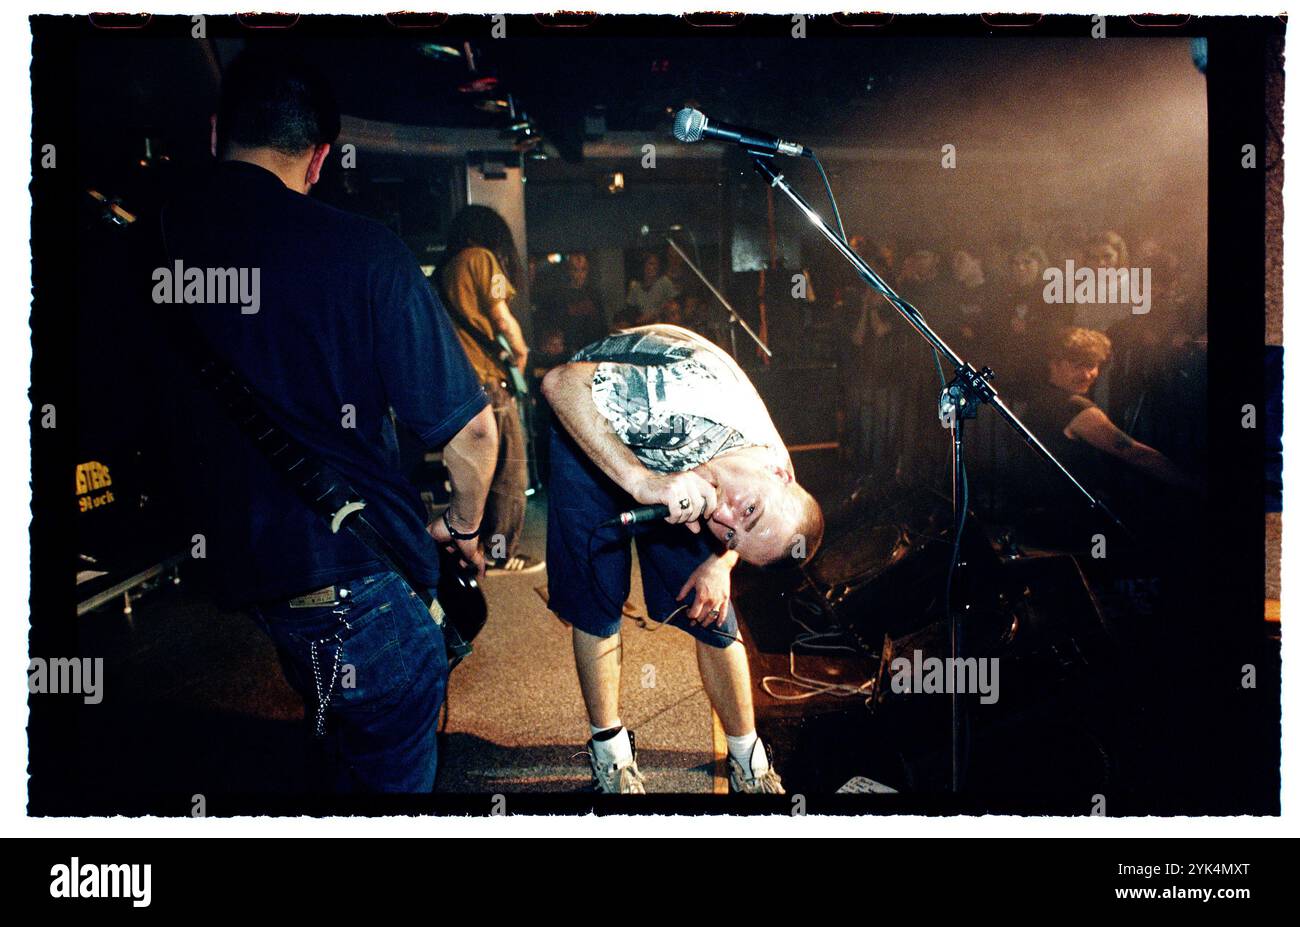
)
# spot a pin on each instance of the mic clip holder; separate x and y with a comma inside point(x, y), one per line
point(965, 392)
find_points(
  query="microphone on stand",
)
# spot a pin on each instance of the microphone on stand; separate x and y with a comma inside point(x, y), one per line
point(639, 514)
point(691, 125)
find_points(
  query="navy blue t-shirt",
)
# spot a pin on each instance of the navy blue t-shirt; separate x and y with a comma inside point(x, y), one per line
point(347, 328)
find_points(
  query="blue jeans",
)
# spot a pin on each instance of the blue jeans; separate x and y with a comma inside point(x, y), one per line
point(372, 670)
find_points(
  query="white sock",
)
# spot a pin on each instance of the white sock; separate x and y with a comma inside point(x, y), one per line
point(615, 751)
point(747, 749)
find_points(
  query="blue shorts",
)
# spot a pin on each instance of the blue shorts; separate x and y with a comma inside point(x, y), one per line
point(589, 568)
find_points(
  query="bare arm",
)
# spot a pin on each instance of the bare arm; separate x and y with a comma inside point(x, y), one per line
point(711, 581)
point(471, 459)
point(505, 323)
point(568, 389)
point(1095, 427)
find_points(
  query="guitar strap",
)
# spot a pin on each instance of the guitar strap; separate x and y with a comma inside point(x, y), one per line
point(462, 323)
point(493, 350)
point(319, 488)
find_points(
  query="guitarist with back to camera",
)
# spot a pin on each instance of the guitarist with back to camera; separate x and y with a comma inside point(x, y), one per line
point(346, 335)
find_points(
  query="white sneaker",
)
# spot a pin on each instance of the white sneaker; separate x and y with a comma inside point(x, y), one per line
point(769, 783)
point(517, 565)
point(616, 778)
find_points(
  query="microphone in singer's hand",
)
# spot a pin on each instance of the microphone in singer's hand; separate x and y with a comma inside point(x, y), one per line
point(639, 514)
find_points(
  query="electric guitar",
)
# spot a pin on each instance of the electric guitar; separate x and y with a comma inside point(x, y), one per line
point(500, 352)
point(510, 365)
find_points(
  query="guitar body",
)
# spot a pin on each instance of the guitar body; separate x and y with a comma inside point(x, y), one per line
point(463, 603)
point(518, 384)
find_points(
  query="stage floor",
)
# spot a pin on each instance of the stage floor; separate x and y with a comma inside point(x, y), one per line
point(196, 702)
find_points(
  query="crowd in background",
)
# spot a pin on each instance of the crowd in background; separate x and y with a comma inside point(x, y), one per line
point(989, 302)
point(986, 298)
point(570, 312)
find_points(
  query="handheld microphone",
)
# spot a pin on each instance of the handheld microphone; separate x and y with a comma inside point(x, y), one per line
point(691, 125)
point(639, 514)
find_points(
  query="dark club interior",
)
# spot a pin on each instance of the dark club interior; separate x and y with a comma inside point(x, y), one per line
point(1042, 207)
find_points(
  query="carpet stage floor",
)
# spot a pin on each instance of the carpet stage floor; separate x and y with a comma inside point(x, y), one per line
point(195, 699)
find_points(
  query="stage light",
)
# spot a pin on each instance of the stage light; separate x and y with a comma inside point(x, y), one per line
point(438, 52)
point(479, 85)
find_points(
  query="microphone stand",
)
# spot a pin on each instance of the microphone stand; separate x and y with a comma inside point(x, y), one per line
point(959, 400)
point(734, 318)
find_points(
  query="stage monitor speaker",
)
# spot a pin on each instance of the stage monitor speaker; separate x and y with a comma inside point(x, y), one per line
point(901, 589)
point(1059, 698)
point(1045, 628)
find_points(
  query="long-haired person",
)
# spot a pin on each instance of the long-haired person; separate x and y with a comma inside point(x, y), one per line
point(475, 280)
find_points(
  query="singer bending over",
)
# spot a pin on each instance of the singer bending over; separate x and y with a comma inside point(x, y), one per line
point(657, 415)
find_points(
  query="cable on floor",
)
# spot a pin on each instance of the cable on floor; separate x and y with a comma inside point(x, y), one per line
point(806, 686)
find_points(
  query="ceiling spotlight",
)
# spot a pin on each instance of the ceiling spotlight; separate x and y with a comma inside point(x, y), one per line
point(438, 52)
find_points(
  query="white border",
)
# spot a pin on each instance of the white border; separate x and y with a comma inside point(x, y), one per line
point(15, 356)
